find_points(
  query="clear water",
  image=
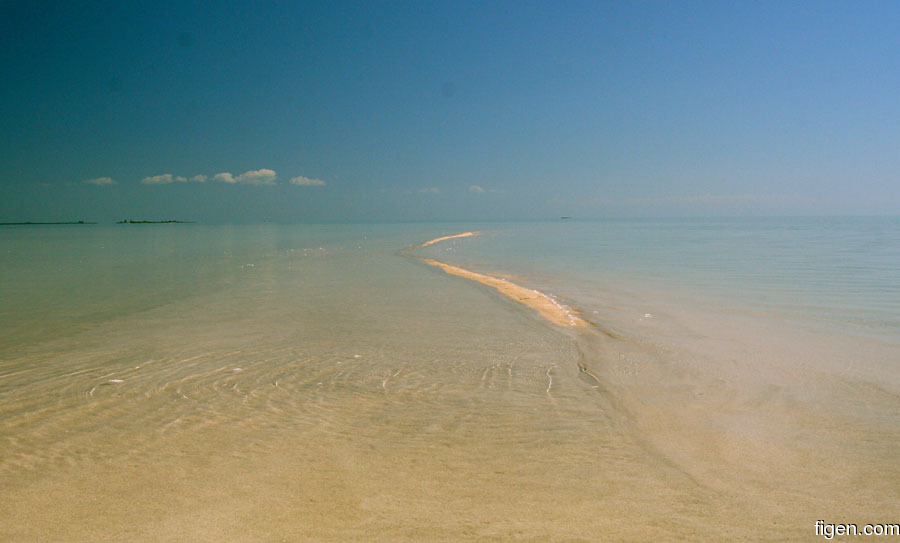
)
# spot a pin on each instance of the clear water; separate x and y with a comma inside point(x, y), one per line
point(304, 382)
point(837, 271)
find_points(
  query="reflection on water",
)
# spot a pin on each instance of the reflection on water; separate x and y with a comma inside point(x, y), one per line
point(311, 383)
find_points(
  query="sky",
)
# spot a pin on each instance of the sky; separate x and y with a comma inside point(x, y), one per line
point(400, 111)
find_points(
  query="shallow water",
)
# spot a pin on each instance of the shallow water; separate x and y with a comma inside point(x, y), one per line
point(189, 382)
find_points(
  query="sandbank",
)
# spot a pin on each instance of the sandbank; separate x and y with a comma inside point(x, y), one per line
point(549, 308)
point(436, 240)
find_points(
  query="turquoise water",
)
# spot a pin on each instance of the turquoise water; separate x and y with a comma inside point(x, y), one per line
point(843, 271)
point(318, 382)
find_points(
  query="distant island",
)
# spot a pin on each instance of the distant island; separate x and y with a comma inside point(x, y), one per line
point(129, 221)
point(31, 223)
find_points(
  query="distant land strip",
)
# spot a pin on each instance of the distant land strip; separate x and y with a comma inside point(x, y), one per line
point(129, 221)
point(548, 307)
point(33, 223)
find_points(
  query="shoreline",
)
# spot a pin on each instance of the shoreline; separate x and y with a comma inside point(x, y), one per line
point(545, 305)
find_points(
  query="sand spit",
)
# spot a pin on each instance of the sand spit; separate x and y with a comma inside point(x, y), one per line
point(549, 308)
point(454, 236)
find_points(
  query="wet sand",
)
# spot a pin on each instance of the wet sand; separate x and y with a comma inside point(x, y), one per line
point(773, 429)
point(401, 405)
point(394, 405)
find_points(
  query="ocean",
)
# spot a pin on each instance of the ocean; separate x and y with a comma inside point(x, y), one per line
point(735, 379)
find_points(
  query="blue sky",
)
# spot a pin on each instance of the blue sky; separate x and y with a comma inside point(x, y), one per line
point(410, 111)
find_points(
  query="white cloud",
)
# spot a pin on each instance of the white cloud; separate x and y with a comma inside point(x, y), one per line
point(158, 179)
point(258, 177)
point(225, 177)
point(168, 178)
point(306, 181)
point(100, 181)
point(430, 190)
point(253, 177)
point(163, 179)
point(481, 190)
